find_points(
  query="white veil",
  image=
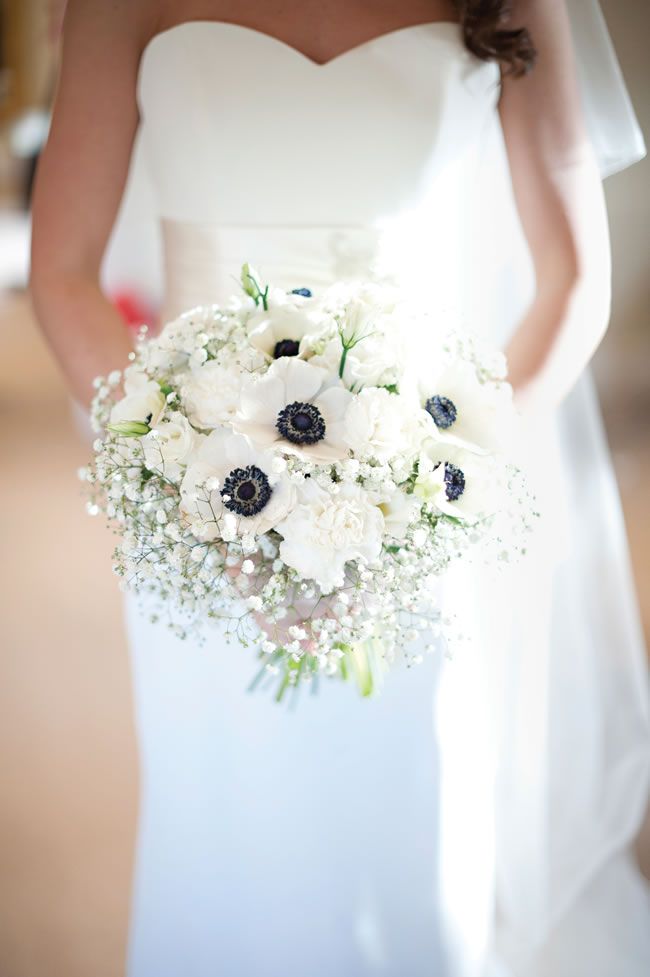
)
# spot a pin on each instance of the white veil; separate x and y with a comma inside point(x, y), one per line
point(611, 123)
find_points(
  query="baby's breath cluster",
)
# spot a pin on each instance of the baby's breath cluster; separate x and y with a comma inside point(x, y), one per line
point(304, 469)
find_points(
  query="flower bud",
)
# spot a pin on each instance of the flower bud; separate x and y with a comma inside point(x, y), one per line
point(250, 282)
point(129, 429)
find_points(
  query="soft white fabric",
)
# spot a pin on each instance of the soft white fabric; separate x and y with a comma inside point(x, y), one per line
point(307, 842)
point(612, 125)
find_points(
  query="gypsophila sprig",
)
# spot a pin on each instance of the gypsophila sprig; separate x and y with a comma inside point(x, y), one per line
point(304, 469)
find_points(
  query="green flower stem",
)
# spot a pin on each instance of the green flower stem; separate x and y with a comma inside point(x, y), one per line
point(347, 345)
point(291, 667)
point(344, 356)
point(361, 666)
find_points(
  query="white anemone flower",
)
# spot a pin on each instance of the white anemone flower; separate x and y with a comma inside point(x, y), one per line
point(465, 412)
point(325, 531)
point(280, 330)
point(297, 407)
point(231, 489)
point(458, 482)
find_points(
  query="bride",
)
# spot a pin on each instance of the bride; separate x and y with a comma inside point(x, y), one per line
point(478, 818)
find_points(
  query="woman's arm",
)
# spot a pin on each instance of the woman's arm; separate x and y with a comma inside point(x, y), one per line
point(559, 197)
point(79, 184)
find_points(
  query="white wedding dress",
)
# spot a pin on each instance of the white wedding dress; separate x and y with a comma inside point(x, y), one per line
point(475, 819)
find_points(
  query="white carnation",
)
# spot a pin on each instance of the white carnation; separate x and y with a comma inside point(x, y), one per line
point(381, 425)
point(210, 394)
point(325, 531)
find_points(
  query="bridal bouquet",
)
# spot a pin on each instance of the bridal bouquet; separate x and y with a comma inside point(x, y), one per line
point(305, 468)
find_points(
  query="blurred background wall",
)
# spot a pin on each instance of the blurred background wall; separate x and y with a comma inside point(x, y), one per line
point(67, 750)
point(622, 364)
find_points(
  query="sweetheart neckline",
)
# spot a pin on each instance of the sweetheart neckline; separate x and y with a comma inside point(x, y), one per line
point(318, 66)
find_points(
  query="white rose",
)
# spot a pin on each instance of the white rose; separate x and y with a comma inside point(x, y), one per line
point(379, 424)
point(325, 531)
point(210, 394)
point(143, 402)
point(170, 445)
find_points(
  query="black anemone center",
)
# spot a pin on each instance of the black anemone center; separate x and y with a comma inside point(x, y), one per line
point(442, 409)
point(454, 482)
point(302, 291)
point(246, 491)
point(286, 347)
point(301, 423)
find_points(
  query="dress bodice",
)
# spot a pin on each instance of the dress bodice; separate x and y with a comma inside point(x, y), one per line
point(242, 128)
point(371, 164)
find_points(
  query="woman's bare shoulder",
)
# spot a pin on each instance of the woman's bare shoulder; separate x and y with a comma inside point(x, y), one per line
point(160, 15)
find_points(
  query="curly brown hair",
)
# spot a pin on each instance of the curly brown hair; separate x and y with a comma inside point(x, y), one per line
point(487, 35)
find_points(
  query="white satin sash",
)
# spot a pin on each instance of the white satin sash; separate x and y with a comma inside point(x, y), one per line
point(203, 260)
